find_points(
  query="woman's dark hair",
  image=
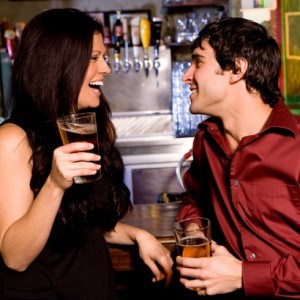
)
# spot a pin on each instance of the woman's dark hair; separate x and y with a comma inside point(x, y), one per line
point(48, 71)
point(232, 38)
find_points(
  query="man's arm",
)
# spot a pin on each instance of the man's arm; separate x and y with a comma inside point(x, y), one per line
point(188, 209)
point(280, 278)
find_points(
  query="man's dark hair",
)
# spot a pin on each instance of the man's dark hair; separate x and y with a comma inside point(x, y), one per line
point(233, 38)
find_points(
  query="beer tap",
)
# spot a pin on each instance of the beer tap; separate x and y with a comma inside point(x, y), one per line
point(156, 29)
point(145, 37)
point(118, 36)
point(127, 65)
point(135, 37)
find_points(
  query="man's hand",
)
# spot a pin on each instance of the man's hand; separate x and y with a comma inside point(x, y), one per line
point(219, 274)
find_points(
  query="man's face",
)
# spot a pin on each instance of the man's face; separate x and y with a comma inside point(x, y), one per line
point(208, 82)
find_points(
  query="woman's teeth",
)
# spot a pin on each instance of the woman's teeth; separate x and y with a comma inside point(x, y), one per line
point(96, 84)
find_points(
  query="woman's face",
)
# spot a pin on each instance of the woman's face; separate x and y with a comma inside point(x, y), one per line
point(89, 95)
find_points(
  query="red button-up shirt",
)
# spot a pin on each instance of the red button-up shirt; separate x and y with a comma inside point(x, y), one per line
point(253, 196)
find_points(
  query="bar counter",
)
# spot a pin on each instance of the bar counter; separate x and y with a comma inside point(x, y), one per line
point(134, 279)
point(157, 219)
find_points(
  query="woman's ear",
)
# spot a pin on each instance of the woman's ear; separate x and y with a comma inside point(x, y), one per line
point(241, 66)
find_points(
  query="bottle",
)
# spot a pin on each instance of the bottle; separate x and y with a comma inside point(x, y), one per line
point(4, 26)
point(118, 30)
point(118, 39)
point(106, 36)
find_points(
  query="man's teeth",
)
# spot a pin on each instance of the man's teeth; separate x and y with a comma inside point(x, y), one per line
point(194, 91)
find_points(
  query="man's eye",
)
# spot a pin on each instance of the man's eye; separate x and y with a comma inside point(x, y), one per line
point(199, 63)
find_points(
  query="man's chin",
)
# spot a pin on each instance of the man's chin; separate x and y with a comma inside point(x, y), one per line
point(195, 111)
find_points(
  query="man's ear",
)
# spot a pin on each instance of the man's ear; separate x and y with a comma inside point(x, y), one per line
point(241, 65)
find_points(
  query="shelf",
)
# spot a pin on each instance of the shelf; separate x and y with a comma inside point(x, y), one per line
point(174, 44)
point(267, 4)
point(212, 3)
point(257, 14)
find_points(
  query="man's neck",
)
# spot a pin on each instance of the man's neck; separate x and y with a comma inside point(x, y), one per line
point(245, 119)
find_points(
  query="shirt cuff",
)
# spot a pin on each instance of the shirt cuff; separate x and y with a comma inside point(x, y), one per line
point(257, 280)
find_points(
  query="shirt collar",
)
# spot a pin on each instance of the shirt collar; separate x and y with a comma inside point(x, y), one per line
point(280, 117)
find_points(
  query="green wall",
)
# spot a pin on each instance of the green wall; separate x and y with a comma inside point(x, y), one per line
point(290, 21)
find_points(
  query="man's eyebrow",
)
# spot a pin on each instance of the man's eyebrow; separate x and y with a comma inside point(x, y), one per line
point(197, 56)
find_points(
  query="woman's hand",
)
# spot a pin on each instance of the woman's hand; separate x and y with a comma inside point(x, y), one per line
point(219, 274)
point(151, 251)
point(155, 256)
point(73, 160)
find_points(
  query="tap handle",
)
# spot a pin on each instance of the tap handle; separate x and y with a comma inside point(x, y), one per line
point(145, 31)
point(125, 30)
point(156, 30)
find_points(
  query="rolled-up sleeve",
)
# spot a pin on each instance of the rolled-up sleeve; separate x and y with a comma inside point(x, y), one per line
point(188, 209)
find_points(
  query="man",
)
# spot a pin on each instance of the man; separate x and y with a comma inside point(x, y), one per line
point(246, 166)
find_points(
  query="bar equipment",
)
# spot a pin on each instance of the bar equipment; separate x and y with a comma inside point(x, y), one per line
point(145, 31)
point(118, 38)
point(107, 37)
point(10, 36)
point(156, 25)
point(135, 37)
point(3, 26)
point(127, 65)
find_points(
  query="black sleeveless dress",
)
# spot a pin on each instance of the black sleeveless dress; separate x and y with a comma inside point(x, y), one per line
point(69, 268)
point(81, 273)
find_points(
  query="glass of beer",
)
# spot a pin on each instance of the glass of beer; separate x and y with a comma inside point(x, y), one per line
point(193, 237)
point(80, 127)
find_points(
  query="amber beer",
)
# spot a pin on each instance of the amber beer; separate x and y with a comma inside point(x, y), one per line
point(193, 237)
point(194, 247)
point(80, 128)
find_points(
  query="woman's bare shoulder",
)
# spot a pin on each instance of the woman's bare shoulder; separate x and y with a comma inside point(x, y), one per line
point(12, 136)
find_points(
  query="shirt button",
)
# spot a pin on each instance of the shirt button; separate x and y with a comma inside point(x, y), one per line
point(252, 256)
point(236, 182)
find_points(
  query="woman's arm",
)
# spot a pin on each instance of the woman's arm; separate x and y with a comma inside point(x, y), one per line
point(25, 222)
point(152, 252)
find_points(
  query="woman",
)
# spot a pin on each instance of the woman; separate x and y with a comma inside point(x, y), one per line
point(53, 233)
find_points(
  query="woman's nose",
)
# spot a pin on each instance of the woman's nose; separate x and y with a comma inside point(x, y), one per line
point(104, 68)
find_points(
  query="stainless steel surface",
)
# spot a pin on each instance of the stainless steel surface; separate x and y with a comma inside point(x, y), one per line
point(179, 170)
point(149, 180)
point(141, 113)
point(156, 145)
point(133, 91)
point(150, 166)
point(143, 125)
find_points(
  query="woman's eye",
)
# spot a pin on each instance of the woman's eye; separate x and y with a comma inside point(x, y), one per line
point(94, 58)
point(106, 58)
